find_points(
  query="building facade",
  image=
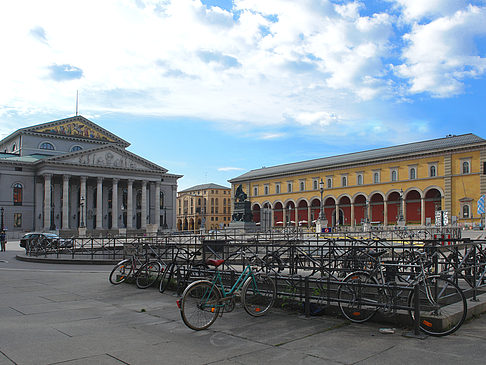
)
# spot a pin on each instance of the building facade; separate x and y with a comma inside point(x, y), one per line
point(71, 174)
point(415, 180)
point(206, 207)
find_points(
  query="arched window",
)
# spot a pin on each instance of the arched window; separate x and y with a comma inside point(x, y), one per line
point(47, 146)
point(360, 179)
point(376, 178)
point(433, 171)
point(76, 148)
point(17, 194)
point(344, 181)
point(465, 167)
point(413, 173)
point(329, 183)
point(465, 211)
point(14, 147)
point(394, 175)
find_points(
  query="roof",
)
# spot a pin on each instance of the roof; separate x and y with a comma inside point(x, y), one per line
point(360, 157)
point(205, 187)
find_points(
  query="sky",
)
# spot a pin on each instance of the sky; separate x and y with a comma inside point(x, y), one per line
point(211, 89)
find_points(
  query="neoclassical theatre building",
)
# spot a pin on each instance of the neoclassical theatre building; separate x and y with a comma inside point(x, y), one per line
point(445, 174)
point(72, 173)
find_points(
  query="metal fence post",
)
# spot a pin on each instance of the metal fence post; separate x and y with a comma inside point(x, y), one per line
point(307, 297)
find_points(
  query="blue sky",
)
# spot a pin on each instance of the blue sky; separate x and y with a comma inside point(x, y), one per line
point(211, 89)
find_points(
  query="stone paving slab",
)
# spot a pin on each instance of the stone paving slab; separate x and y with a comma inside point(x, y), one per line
point(68, 317)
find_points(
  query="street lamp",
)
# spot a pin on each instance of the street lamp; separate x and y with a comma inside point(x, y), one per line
point(1, 223)
point(322, 214)
point(81, 204)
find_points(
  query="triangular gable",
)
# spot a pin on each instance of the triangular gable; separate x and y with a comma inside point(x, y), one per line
point(108, 156)
point(77, 126)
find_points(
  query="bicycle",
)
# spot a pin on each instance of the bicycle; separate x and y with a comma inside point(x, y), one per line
point(203, 300)
point(443, 306)
point(192, 269)
point(133, 266)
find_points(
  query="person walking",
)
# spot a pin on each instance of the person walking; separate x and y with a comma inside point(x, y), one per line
point(3, 240)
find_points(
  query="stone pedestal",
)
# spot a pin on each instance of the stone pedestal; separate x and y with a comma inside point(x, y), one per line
point(82, 232)
point(151, 228)
point(321, 224)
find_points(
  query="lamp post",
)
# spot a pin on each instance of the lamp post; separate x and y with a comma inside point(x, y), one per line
point(81, 204)
point(1, 223)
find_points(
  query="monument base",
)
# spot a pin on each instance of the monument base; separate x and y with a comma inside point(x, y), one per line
point(321, 224)
point(401, 223)
point(244, 226)
point(366, 227)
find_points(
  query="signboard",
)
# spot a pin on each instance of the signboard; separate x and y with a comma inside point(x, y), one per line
point(326, 230)
point(481, 205)
point(441, 218)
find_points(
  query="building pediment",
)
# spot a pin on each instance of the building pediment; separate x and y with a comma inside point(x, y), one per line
point(76, 127)
point(107, 157)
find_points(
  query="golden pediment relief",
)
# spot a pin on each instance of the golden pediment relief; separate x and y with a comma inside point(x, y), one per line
point(76, 129)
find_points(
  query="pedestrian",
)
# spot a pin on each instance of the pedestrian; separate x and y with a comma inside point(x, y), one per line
point(3, 240)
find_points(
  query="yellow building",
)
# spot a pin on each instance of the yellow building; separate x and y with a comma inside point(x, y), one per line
point(415, 181)
point(206, 206)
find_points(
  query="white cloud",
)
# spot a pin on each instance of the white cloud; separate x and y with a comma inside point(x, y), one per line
point(269, 63)
point(230, 169)
point(440, 54)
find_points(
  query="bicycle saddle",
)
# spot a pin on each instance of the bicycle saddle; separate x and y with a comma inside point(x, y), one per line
point(214, 263)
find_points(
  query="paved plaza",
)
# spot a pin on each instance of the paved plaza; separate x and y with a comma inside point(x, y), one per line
point(68, 314)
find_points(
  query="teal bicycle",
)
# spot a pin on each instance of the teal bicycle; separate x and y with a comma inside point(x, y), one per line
point(204, 300)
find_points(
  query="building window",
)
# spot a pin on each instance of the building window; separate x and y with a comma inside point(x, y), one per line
point(344, 181)
point(376, 177)
point(266, 190)
point(394, 175)
point(18, 220)
point(162, 200)
point(433, 171)
point(289, 187)
point(360, 179)
point(76, 148)
point(465, 211)
point(14, 147)
point(302, 186)
point(47, 146)
point(329, 183)
point(255, 191)
point(17, 194)
point(277, 188)
point(466, 167)
point(413, 173)
point(315, 184)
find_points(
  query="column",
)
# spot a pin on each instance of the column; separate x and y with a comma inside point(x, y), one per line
point(385, 212)
point(309, 216)
point(404, 210)
point(157, 204)
point(65, 201)
point(296, 215)
point(99, 203)
point(422, 211)
point(144, 204)
point(83, 196)
point(47, 201)
point(352, 215)
point(130, 204)
point(337, 214)
point(272, 218)
point(114, 205)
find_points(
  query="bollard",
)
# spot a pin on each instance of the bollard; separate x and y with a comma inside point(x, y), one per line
point(307, 297)
point(416, 310)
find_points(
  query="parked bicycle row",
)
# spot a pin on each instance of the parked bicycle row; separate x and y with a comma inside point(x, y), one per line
point(426, 280)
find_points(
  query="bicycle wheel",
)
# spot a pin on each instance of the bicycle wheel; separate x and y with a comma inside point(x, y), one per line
point(443, 306)
point(200, 305)
point(121, 272)
point(258, 294)
point(148, 274)
point(358, 301)
point(166, 277)
point(190, 274)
